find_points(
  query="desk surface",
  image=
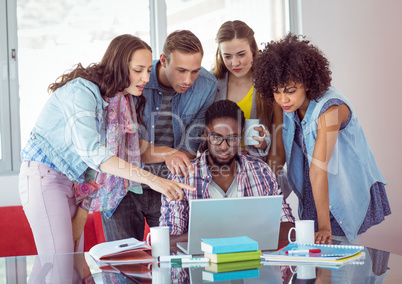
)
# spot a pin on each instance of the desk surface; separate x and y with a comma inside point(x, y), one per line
point(378, 267)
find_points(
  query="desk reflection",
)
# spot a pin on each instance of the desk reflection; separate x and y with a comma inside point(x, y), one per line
point(81, 268)
point(60, 268)
point(373, 269)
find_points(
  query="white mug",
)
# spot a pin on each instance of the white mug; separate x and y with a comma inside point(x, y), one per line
point(250, 131)
point(304, 230)
point(304, 272)
point(160, 242)
point(160, 275)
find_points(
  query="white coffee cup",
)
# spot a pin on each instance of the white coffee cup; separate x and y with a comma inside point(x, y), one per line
point(304, 230)
point(160, 275)
point(305, 272)
point(249, 131)
point(160, 242)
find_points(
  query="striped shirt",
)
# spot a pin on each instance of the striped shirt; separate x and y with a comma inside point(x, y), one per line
point(164, 126)
point(253, 178)
point(163, 131)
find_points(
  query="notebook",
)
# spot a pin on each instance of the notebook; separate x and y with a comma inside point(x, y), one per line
point(330, 254)
point(255, 217)
point(128, 250)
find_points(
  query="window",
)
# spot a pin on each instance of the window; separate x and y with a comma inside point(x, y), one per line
point(268, 19)
point(53, 36)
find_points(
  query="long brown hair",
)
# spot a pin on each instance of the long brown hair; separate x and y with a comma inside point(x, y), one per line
point(112, 74)
point(228, 31)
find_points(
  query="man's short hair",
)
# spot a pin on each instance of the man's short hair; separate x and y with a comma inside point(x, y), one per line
point(224, 109)
point(183, 41)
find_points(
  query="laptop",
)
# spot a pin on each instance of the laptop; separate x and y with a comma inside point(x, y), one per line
point(255, 217)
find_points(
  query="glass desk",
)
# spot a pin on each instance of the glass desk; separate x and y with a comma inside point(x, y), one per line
point(378, 267)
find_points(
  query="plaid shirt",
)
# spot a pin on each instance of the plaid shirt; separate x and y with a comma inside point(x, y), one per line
point(253, 178)
point(32, 152)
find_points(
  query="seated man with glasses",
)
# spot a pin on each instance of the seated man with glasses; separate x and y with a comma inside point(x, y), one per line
point(222, 172)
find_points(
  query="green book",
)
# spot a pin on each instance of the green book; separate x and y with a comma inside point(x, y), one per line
point(234, 266)
point(231, 275)
point(233, 256)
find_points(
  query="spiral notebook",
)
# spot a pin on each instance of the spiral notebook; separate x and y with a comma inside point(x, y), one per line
point(330, 254)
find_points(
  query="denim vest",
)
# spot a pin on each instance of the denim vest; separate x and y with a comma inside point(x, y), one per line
point(188, 109)
point(352, 169)
point(70, 129)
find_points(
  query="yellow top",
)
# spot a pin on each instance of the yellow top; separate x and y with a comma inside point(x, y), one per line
point(246, 102)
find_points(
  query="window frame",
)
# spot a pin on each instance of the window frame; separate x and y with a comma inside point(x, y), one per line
point(158, 26)
point(9, 91)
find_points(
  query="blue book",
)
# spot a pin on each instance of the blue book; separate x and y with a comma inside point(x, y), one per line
point(228, 245)
point(232, 275)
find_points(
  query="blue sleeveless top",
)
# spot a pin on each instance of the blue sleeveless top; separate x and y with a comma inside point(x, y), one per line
point(352, 169)
point(378, 206)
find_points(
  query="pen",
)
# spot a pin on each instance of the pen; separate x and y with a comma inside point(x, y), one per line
point(182, 265)
point(168, 258)
point(190, 260)
point(134, 244)
point(303, 251)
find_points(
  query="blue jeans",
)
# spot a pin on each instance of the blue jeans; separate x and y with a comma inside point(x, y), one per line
point(128, 219)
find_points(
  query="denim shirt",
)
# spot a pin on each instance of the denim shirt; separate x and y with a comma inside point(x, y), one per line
point(352, 169)
point(70, 129)
point(188, 109)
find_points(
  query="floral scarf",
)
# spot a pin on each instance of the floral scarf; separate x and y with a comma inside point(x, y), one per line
point(102, 191)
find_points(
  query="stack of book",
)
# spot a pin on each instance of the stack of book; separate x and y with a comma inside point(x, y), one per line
point(231, 258)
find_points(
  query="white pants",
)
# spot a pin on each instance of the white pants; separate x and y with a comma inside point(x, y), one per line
point(48, 200)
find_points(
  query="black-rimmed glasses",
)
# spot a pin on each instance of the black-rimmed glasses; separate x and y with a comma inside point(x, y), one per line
point(217, 140)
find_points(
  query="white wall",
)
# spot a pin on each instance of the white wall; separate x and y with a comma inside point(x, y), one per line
point(362, 40)
point(9, 191)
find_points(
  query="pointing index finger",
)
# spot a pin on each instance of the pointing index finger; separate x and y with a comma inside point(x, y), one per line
point(188, 187)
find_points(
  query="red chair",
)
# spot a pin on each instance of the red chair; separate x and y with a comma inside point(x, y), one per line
point(93, 231)
point(146, 230)
point(15, 233)
point(16, 236)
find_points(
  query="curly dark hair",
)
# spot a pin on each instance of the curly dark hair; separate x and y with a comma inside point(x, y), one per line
point(291, 59)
